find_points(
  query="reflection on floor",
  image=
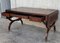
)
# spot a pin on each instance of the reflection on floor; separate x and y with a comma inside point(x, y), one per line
point(25, 33)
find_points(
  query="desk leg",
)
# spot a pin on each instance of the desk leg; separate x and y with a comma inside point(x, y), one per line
point(21, 21)
point(9, 18)
point(10, 25)
point(48, 29)
point(46, 38)
point(14, 21)
point(47, 32)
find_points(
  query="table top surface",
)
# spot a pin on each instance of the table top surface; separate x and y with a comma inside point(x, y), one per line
point(38, 11)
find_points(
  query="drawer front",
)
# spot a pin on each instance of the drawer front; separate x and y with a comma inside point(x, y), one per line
point(14, 15)
point(22, 16)
point(5, 14)
point(37, 19)
point(19, 16)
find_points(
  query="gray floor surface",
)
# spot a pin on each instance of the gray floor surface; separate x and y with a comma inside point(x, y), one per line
point(25, 33)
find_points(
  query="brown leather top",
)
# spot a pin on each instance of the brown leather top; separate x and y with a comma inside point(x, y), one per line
point(34, 10)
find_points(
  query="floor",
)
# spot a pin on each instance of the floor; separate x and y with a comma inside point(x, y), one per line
point(26, 33)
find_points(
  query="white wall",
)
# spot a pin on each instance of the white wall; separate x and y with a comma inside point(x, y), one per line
point(36, 3)
point(5, 4)
point(13, 3)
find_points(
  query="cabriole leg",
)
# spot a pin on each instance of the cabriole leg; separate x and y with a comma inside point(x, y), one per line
point(46, 38)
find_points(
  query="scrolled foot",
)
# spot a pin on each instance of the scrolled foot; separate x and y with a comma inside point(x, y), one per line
point(54, 28)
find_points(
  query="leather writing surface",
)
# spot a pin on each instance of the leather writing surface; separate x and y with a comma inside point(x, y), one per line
point(38, 11)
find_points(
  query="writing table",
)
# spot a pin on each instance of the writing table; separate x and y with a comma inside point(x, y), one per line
point(47, 16)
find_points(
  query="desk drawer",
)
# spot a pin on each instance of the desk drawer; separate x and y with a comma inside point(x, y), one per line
point(37, 19)
point(19, 16)
point(5, 14)
point(22, 16)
